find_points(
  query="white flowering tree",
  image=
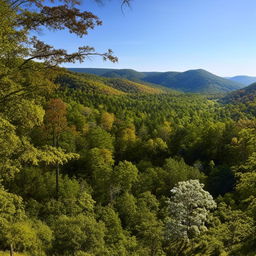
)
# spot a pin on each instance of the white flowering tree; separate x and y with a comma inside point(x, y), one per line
point(188, 210)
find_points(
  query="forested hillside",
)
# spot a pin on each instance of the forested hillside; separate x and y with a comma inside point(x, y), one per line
point(244, 95)
point(95, 84)
point(244, 99)
point(92, 166)
point(192, 81)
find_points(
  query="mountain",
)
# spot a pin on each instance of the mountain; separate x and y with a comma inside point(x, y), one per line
point(94, 84)
point(245, 80)
point(195, 81)
point(129, 74)
point(161, 78)
point(246, 95)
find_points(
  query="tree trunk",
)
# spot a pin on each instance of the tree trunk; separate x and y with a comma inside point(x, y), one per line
point(56, 144)
point(57, 181)
point(11, 250)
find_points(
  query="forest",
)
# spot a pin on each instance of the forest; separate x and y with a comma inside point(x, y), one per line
point(93, 166)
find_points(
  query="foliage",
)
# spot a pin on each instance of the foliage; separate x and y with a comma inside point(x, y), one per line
point(189, 210)
point(87, 162)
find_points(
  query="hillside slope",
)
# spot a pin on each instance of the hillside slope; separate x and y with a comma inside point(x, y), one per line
point(113, 86)
point(245, 95)
point(195, 81)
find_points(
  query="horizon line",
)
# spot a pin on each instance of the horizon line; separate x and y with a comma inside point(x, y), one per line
point(224, 76)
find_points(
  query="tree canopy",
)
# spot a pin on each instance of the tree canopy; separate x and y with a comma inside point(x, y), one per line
point(97, 166)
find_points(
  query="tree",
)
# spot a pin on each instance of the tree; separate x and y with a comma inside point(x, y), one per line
point(245, 185)
point(15, 151)
point(244, 145)
point(79, 233)
point(99, 138)
point(188, 209)
point(164, 131)
point(230, 233)
point(16, 231)
point(55, 123)
point(107, 120)
point(149, 228)
point(30, 15)
point(155, 147)
point(125, 174)
point(26, 237)
point(125, 142)
point(118, 241)
point(101, 165)
point(77, 116)
point(11, 212)
point(127, 208)
point(10, 144)
point(55, 119)
point(178, 170)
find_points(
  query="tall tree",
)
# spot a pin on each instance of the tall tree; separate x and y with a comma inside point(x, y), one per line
point(55, 119)
point(188, 211)
point(56, 122)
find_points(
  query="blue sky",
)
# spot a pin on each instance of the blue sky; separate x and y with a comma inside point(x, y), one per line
point(171, 35)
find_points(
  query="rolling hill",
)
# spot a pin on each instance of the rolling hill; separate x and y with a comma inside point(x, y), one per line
point(196, 81)
point(192, 81)
point(245, 80)
point(245, 95)
point(91, 83)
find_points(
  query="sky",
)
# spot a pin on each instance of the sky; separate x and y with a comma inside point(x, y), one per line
point(170, 35)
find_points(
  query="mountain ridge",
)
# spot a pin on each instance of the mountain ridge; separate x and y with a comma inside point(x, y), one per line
point(191, 81)
point(242, 79)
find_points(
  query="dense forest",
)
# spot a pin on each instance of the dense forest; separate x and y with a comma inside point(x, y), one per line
point(93, 166)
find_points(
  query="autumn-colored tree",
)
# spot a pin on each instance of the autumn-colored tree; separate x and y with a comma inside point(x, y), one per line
point(107, 120)
point(55, 119)
point(55, 123)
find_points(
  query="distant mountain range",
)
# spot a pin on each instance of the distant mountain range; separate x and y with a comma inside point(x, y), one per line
point(245, 80)
point(193, 81)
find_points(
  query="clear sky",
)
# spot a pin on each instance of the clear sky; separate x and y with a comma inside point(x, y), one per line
point(171, 35)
